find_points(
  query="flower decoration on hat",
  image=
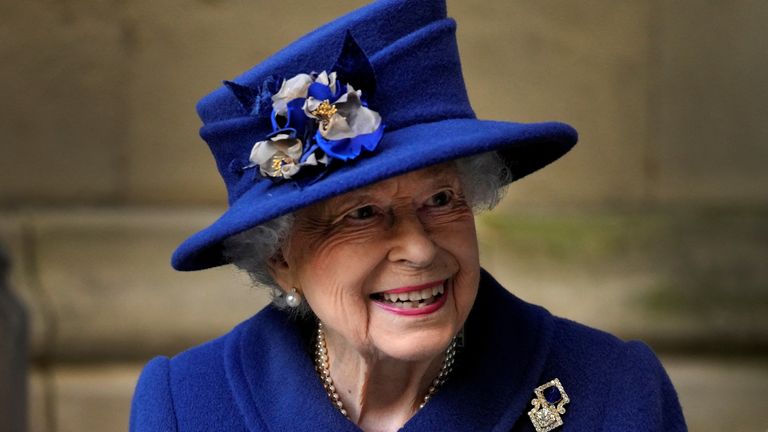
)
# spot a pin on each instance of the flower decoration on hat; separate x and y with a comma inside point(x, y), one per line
point(316, 118)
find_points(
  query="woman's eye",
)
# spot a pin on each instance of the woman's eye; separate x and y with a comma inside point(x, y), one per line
point(440, 199)
point(361, 213)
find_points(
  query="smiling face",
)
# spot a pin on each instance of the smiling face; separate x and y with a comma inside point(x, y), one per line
point(391, 269)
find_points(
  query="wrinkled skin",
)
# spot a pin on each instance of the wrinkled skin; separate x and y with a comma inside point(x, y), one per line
point(405, 231)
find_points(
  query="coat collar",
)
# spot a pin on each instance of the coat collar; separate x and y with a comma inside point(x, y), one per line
point(507, 342)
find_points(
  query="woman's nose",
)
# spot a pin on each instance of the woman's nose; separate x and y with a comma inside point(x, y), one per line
point(412, 244)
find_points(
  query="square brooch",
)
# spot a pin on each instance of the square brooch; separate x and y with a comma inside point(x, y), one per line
point(549, 406)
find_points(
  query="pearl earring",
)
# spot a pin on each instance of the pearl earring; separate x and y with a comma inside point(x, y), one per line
point(293, 299)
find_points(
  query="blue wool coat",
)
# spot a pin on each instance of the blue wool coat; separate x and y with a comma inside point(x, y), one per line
point(260, 377)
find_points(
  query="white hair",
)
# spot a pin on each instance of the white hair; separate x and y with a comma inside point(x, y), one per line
point(483, 177)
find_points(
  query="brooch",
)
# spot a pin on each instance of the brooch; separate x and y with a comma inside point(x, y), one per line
point(548, 406)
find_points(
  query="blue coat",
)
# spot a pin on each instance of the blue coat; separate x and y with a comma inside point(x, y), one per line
point(260, 377)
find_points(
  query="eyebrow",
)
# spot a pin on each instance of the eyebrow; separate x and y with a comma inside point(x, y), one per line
point(341, 203)
point(437, 177)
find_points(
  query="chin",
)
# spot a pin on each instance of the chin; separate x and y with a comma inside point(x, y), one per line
point(419, 338)
point(418, 345)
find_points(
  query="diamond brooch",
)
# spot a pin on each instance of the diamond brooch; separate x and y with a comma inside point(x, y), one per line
point(548, 406)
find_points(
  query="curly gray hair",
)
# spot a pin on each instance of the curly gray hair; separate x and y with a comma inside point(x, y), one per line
point(484, 178)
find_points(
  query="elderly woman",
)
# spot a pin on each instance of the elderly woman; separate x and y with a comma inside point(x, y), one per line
point(352, 187)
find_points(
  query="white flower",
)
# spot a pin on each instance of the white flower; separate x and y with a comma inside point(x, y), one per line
point(347, 118)
point(291, 89)
point(327, 79)
point(313, 160)
point(280, 155)
point(297, 88)
point(277, 157)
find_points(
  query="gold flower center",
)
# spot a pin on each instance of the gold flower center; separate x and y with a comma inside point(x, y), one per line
point(278, 163)
point(324, 112)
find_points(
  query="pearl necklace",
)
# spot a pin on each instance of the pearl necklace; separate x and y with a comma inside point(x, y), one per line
point(323, 368)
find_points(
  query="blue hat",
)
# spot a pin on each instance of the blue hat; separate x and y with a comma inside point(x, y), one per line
point(372, 95)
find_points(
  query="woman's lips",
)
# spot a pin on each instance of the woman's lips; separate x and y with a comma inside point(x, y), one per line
point(414, 287)
point(416, 300)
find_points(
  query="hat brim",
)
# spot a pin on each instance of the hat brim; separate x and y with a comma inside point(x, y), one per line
point(525, 147)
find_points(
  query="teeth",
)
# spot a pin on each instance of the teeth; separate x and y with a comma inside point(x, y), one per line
point(414, 299)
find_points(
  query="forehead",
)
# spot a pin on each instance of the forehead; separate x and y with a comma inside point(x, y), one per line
point(404, 185)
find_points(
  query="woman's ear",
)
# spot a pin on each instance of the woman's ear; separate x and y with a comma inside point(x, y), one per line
point(281, 270)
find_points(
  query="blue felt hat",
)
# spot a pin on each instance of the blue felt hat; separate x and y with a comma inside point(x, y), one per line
point(402, 59)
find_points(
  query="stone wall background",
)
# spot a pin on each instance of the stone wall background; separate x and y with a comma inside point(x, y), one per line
point(654, 227)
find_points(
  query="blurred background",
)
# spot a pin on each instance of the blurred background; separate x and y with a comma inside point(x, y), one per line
point(654, 227)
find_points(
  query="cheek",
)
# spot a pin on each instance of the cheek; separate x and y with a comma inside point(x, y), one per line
point(465, 290)
point(459, 239)
point(333, 279)
point(461, 243)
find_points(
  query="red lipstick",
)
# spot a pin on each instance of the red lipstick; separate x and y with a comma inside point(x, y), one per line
point(438, 303)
